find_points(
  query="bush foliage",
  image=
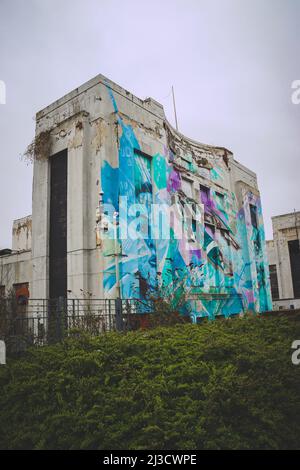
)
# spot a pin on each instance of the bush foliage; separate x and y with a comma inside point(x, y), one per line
point(218, 385)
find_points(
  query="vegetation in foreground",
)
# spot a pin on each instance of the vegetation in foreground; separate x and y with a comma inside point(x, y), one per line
point(219, 385)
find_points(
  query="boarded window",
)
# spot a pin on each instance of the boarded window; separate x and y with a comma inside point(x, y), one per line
point(294, 250)
point(22, 293)
point(274, 281)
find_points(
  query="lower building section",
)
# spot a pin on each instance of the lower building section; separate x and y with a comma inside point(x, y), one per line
point(284, 259)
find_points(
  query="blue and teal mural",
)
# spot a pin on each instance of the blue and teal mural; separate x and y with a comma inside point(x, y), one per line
point(209, 263)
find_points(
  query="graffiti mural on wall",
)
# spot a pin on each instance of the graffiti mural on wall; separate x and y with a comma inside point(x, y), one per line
point(208, 263)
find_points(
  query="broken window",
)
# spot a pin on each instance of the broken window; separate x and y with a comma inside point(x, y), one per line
point(274, 281)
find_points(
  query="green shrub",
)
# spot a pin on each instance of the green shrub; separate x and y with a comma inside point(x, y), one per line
point(218, 385)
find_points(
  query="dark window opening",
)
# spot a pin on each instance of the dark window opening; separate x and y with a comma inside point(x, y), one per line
point(192, 230)
point(253, 214)
point(274, 282)
point(294, 250)
point(141, 153)
point(2, 291)
point(58, 226)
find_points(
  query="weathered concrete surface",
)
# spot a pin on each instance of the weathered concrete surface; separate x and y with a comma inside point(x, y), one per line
point(22, 234)
point(101, 125)
point(119, 145)
point(286, 228)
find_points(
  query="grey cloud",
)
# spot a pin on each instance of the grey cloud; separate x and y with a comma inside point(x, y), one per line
point(231, 62)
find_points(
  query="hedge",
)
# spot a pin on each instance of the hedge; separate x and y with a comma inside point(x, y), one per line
point(227, 384)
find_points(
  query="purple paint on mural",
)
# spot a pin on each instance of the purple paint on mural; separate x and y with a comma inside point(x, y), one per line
point(195, 254)
point(174, 182)
point(209, 231)
point(250, 296)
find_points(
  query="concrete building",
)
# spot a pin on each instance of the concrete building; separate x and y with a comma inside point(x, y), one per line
point(105, 162)
point(16, 263)
point(284, 261)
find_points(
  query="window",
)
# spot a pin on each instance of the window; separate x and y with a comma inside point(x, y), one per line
point(187, 188)
point(253, 214)
point(2, 291)
point(294, 251)
point(274, 281)
point(197, 195)
point(146, 272)
point(205, 194)
point(22, 293)
point(225, 233)
point(220, 199)
point(58, 266)
point(22, 296)
point(210, 230)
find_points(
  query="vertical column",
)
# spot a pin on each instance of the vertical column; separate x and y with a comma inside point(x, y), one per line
point(40, 229)
point(78, 210)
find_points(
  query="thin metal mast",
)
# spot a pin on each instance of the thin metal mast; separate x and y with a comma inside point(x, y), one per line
point(174, 108)
point(296, 227)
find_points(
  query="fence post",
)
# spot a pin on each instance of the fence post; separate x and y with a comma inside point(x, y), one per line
point(119, 315)
point(60, 318)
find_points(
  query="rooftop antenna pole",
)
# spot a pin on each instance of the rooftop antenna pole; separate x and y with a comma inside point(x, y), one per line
point(296, 227)
point(174, 108)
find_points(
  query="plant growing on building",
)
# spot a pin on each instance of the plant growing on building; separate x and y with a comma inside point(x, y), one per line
point(39, 148)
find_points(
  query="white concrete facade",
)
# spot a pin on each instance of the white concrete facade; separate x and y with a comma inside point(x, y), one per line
point(86, 122)
point(16, 264)
point(286, 228)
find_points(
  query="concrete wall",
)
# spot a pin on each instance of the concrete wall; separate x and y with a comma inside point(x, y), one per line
point(285, 228)
point(15, 268)
point(16, 265)
point(286, 304)
point(107, 131)
point(22, 234)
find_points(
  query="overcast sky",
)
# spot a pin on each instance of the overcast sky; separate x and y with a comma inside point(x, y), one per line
point(232, 64)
